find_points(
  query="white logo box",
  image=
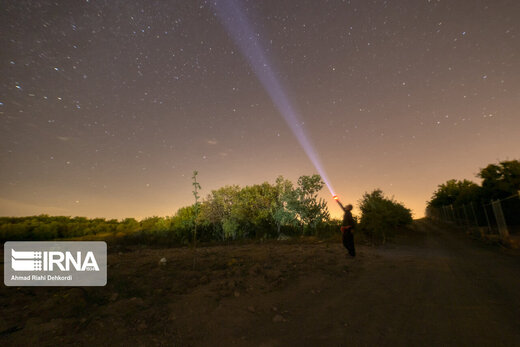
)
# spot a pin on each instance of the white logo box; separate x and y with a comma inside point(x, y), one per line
point(55, 263)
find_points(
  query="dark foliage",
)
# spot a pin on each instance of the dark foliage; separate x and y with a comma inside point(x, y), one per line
point(381, 216)
point(229, 213)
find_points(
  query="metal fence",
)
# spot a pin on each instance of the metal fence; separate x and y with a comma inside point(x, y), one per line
point(498, 217)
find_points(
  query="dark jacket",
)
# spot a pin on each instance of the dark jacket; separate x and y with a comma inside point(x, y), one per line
point(348, 220)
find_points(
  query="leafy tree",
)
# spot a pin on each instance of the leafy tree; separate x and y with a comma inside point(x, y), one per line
point(500, 181)
point(230, 228)
point(284, 205)
point(128, 225)
point(238, 212)
point(455, 192)
point(229, 212)
point(251, 210)
point(183, 223)
point(381, 216)
point(218, 207)
point(311, 211)
point(155, 224)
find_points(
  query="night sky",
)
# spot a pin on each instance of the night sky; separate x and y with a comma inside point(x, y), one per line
point(107, 107)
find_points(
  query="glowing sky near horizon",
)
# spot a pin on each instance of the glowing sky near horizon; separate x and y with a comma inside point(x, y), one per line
point(107, 107)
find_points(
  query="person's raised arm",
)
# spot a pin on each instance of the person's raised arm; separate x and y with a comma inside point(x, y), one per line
point(339, 203)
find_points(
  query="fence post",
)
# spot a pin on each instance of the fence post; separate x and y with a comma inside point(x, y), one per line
point(474, 214)
point(466, 215)
point(501, 221)
point(487, 218)
point(457, 215)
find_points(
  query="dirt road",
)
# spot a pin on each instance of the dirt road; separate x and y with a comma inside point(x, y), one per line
point(436, 288)
point(429, 287)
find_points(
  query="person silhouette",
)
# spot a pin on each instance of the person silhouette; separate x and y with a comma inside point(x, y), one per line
point(347, 228)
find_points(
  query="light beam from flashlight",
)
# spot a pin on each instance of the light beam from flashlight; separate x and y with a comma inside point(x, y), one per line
point(237, 24)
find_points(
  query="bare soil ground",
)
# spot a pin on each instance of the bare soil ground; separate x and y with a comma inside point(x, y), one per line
point(429, 286)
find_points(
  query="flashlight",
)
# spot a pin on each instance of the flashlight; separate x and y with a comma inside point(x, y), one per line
point(335, 197)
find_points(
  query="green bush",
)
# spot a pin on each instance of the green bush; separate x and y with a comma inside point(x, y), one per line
point(382, 216)
point(260, 211)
